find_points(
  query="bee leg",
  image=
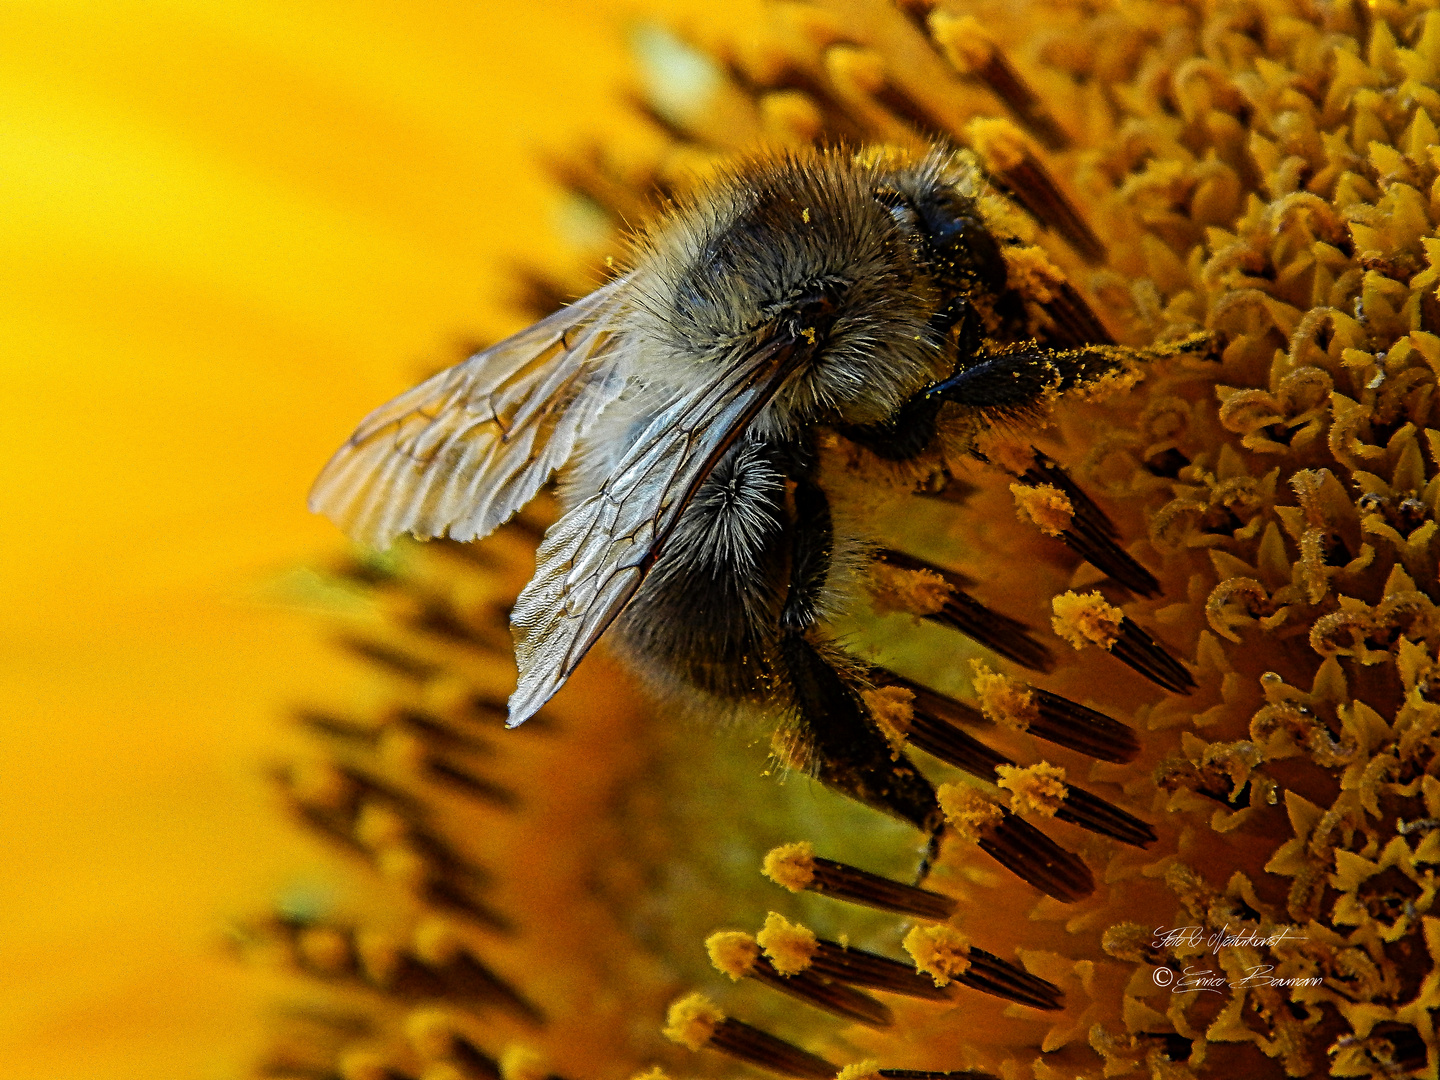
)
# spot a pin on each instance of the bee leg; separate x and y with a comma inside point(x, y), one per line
point(1005, 385)
point(1014, 382)
point(1017, 380)
point(847, 750)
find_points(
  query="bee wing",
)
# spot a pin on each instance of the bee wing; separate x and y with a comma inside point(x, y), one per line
point(466, 449)
point(594, 558)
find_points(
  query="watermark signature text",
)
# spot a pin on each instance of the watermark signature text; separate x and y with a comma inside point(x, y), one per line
point(1196, 979)
point(1194, 937)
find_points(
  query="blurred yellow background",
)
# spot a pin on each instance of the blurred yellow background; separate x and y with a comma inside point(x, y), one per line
point(228, 231)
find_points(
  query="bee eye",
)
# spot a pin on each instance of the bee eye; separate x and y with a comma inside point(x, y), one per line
point(947, 233)
point(960, 239)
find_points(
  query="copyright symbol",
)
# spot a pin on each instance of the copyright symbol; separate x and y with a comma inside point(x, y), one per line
point(1163, 976)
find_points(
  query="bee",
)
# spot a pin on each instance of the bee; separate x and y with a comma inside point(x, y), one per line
point(793, 305)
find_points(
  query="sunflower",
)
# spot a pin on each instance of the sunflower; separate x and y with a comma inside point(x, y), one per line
point(1186, 762)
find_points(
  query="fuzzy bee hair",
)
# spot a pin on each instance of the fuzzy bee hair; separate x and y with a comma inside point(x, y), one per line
point(787, 306)
point(752, 246)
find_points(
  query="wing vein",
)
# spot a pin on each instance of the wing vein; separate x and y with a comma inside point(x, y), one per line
point(463, 451)
point(595, 557)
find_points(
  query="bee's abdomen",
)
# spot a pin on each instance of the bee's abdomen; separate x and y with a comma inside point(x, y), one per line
point(707, 614)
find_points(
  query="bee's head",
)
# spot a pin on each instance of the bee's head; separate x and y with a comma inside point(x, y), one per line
point(857, 264)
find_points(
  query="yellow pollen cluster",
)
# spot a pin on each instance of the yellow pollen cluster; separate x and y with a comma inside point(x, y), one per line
point(892, 709)
point(1087, 620)
point(970, 814)
point(1045, 505)
point(791, 865)
point(732, 951)
point(916, 592)
point(1030, 268)
point(1037, 789)
point(1003, 699)
point(941, 952)
point(692, 1020)
point(1000, 144)
point(787, 945)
